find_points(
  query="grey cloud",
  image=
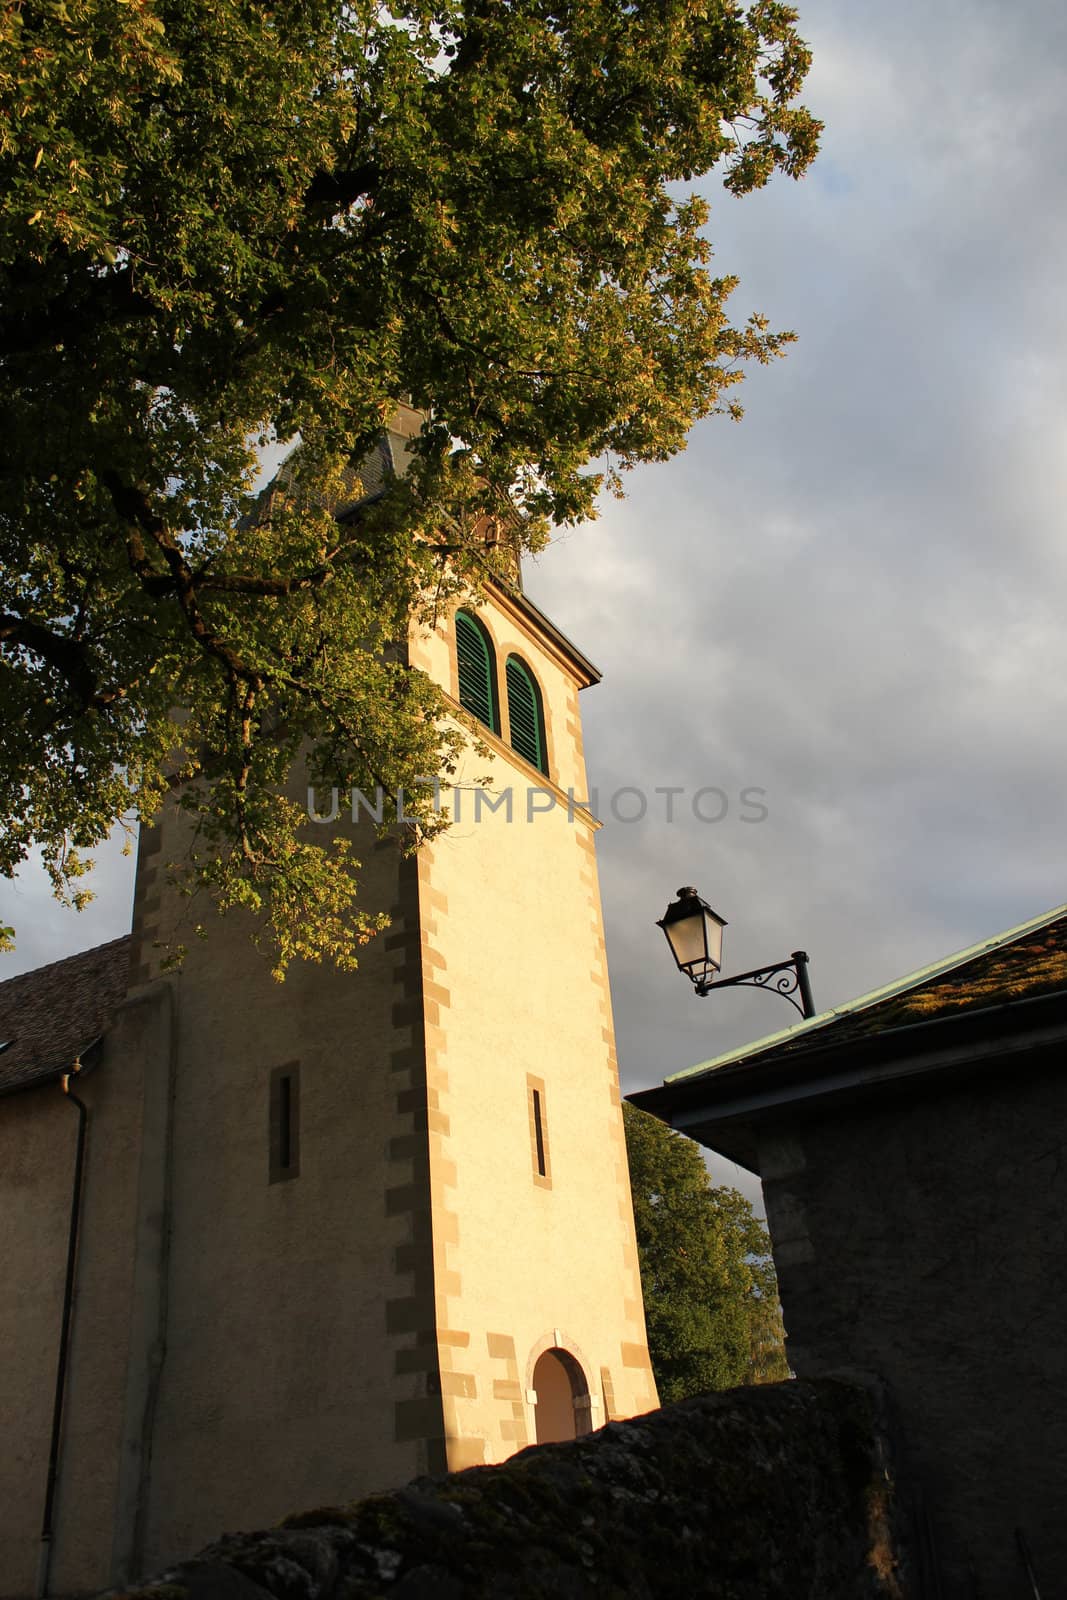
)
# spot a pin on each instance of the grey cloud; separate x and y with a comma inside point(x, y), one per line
point(854, 598)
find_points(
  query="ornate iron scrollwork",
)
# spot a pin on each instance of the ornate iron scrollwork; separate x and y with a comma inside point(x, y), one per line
point(783, 978)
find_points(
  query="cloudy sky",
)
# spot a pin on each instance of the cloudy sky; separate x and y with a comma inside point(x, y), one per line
point(852, 600)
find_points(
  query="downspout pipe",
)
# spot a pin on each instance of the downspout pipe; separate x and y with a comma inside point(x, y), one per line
point(47, 1528)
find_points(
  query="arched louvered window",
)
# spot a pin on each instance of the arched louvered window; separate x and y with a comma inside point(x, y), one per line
point(525, 714)
point(477, 670)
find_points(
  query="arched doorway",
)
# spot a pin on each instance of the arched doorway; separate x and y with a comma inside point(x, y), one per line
point(562, 1407)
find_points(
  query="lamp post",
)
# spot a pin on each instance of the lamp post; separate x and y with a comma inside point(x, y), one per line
point(694, 933)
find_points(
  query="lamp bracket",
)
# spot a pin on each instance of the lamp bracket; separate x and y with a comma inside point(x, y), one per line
point(783, 978)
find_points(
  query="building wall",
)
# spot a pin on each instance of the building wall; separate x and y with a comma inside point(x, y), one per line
point(37, 1139)
point(38, 1134)
point(379, 1315)
point(247, 1346)
point(514, 939)
point(279, 1389)
point(924, 1242)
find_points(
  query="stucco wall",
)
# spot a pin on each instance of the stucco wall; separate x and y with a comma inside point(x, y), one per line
point(279, 1383)
point(515, 935)
point(925, 1242)
point(38, 1133)
point(37, 1138)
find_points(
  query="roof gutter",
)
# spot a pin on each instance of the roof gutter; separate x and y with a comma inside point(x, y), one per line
point(39, 1081)
point(47, 1523)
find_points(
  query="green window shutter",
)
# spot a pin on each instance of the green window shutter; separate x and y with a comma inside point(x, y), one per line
point(476, 688)
point(524, 714)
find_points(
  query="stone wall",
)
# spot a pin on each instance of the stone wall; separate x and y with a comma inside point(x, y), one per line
point(777, 1493)
point(923, 1240)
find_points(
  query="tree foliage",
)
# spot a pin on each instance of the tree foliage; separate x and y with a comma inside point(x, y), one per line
point(230, 224)
point(711, 1298)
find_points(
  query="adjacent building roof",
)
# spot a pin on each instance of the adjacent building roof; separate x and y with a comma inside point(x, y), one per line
point(961, 1010)
point(50, 1016)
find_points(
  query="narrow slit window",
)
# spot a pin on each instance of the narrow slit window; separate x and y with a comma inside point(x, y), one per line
point(526, 718)
point(284, 1130)
point(539, 1134)
point(285, 1121)
point(540, 1154)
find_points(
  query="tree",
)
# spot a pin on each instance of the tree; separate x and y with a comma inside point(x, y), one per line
point(226, 225)
point(711, 1301)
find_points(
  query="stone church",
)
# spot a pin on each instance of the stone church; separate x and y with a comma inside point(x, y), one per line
point(268, 1246)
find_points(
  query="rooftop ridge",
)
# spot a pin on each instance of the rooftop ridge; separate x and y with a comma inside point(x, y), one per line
point(78, 955)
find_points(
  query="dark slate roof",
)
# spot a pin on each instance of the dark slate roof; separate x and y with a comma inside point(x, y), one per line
point(49, 1016)
point(361, 486)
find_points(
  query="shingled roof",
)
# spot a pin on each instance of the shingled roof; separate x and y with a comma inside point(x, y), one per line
point(49, 1016)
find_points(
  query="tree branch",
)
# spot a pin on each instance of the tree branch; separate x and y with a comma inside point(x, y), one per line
point(342, 187)
point(64, 317)
point(69, 657)
point(136, 510)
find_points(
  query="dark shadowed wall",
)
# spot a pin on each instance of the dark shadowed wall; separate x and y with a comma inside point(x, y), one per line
point(923, 1239)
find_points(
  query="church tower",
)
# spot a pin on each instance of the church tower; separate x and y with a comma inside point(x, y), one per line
point(354, 1227)
point(401, 1230)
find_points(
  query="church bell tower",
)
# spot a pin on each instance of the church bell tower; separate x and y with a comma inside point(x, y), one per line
point(386, 1218)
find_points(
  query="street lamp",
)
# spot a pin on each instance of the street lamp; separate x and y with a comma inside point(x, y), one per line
point(694, 933)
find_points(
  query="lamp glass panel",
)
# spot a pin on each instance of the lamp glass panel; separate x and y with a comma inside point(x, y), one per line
point(687, 937)
point(713, 935)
